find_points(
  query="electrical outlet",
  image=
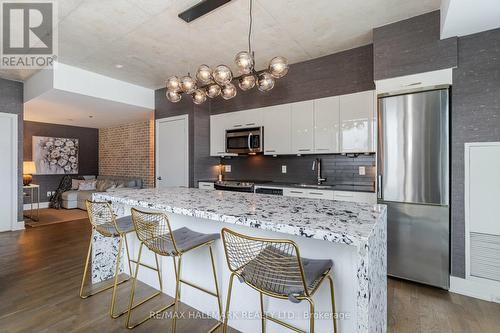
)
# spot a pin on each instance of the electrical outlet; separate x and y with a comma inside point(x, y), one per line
point(49, 194)
point(227, 168)
point(283, 169)
point(362, 170)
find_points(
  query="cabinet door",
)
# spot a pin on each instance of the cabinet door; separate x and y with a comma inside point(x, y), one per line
point(244, 119)
point(326, 125)
point(356, 116)
point(363, 197)
point(277, 130)
point(217, 135)
point(302, 127)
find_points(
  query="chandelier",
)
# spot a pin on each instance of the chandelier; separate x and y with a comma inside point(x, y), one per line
point(218, 81)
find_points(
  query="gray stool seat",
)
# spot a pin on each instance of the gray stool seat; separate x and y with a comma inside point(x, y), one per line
point(125, 225)
point(185, 239)
point(257, 274)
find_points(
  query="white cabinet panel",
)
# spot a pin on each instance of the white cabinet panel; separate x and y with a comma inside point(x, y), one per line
point(364, 197)
point(277, 130)
point(243, 119)
point(206, 185)
point(356, 117)
point(308, 193)
point(326, 125)
point(217, 135)
point(302, 127)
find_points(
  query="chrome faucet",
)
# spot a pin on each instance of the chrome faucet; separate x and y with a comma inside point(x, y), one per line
point(317, 166)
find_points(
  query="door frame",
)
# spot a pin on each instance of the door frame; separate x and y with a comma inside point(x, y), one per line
point(184, 117)
point(15, 152)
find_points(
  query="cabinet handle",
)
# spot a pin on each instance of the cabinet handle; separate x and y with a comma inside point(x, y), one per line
point(344, 195)
point(270, 151)
point(304, 149)
point(322, 149)
point(297, 192)
point(251, 124)
point(237, 125)
point(316, 193)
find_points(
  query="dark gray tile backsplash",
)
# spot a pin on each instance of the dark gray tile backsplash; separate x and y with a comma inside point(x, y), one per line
point(338, 169)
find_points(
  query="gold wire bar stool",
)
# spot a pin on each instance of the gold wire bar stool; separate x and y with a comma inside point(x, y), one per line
point(274, 268)
point(103, 221)
point(154, 231)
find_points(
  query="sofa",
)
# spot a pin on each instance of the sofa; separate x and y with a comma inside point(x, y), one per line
point(76, 198)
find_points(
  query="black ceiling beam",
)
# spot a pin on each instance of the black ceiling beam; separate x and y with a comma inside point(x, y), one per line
point(201, 8)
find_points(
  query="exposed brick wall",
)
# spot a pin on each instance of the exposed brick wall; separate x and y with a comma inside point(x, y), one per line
point(128, 150)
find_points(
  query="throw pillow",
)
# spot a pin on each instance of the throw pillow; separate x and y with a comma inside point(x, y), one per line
point(87, 185)
point(75, 183)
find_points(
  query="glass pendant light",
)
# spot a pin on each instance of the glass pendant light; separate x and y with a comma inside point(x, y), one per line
point(246, 82)
point(213, 90)
point(222, 75)
point(265, 81)
point(174, 96)
point(173, 84)
point(199, 96)
point(278, 67)
point(188, 84)
point(204, 74)
point(229, 91)
point(244, 62)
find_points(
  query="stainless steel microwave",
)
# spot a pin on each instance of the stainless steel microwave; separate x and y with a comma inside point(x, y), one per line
point(245, 140)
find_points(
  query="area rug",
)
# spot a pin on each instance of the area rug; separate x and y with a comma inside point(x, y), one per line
point(51, 216)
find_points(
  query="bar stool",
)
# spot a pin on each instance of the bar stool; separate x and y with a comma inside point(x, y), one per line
point(274, 268)
point(154, 231)
point(103, 221)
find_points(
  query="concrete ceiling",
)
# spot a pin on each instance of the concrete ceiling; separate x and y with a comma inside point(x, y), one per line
point(151, 43)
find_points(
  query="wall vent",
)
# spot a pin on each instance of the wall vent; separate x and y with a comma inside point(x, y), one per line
point(485, 256)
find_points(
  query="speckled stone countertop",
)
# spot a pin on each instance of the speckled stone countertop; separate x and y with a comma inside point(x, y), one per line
point(340, 222)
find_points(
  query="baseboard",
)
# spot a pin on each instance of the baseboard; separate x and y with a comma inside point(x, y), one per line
point(19, 225)
point(42, 205)
point(484, 289)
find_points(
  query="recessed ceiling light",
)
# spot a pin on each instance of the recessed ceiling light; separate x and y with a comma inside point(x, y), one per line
point(118, 66)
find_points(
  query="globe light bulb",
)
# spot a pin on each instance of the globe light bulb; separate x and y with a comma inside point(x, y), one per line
point(174, 96)
point(222, 75)
point(265, 81)
point(213, 90)
point(199, 96)
point(229, 91)
point(188, 84)
point(278, 67)
point(173, 84)
point(246, 82)
point(244, 62)
point(204, 74)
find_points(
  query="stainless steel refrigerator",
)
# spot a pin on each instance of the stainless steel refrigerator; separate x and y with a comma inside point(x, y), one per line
point(413, 181)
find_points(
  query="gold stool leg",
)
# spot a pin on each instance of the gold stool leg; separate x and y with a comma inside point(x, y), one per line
point(262, 315)
point(177, 270)
point(219, 302)
point(311, 314)
point(228, 303)
point(332, 294)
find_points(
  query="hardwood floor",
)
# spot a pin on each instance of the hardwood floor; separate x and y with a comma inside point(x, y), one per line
point(41, 268)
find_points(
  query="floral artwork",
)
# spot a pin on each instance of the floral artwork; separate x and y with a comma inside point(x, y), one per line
point(55, 155)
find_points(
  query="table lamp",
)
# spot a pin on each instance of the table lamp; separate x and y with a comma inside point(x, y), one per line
point(29, 169)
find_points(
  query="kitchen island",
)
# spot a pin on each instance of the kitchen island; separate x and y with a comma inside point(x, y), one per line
point(352, 235)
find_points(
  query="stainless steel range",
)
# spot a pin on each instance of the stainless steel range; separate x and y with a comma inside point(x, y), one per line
point(235, 185)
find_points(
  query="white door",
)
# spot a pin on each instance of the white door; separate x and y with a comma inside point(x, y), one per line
point(8, 171)
point(302, 127)
point(172, 151)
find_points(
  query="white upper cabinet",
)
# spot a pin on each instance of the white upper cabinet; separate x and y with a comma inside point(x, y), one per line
point(302, 127)
point(217, 135)
point(277, 130)
point(244, 119)
point(356, 121)
point(326, 125)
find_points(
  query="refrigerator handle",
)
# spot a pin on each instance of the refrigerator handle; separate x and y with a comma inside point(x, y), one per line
point(379, 187)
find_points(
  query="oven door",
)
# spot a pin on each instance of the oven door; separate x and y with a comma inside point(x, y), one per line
point(245, 141)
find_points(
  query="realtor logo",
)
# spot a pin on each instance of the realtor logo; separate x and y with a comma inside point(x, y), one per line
point(29, 39)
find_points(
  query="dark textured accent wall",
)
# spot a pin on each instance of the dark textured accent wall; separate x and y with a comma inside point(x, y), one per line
point(87, 156)
point(412, 46)
point(475, 118)
point(338, 169)
point(336, 74)
point(341, 73)
point(11, 101)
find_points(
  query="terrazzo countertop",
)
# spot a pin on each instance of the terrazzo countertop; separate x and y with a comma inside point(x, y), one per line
point(340, 222)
